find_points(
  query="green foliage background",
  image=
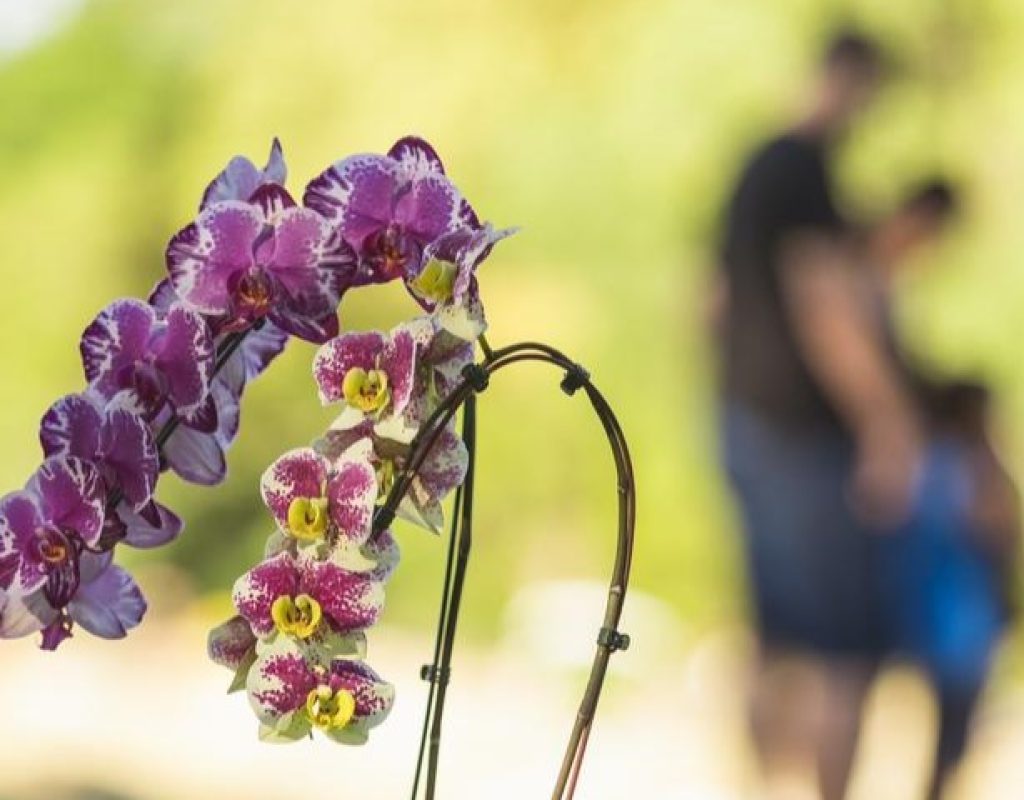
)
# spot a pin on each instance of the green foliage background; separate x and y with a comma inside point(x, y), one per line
point(608, 130)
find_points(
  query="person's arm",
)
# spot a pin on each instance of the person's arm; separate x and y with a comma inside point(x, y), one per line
point(843, 350)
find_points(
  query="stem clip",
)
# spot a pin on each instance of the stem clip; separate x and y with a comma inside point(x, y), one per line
point(576, 377)
point(476, 376)
point(613, 640)
point(431, 673)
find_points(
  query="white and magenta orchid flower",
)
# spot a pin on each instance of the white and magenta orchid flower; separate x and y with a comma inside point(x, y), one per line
point(370, 373)
point(301, 598)
point(295, 688)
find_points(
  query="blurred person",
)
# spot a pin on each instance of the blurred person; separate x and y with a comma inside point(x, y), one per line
point(946, 576)
point(820, 437)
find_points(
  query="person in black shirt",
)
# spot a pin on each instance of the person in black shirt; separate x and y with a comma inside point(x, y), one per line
point(820, 437)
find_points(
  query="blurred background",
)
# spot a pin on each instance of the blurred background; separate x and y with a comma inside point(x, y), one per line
point(610, 131)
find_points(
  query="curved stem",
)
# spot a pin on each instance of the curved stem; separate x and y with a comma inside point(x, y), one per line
point(609, 639)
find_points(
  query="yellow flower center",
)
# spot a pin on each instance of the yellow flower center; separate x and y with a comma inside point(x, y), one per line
point(436, 282)
point(307, 517)
point(299, 617)
point(328, 710)
point(367, 390)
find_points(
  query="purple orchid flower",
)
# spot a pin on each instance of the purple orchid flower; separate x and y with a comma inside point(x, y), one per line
point(119, 444)
point(314, 499)
point(295, 688)
point(390, 208)
point(160, 359)
point(446, 283)
point(240, 179)
point(114, 438)
point(263, 258)
point(200, 456)
point(44, 528)
point(301, 598)
point(371, 373)
point(107, 603)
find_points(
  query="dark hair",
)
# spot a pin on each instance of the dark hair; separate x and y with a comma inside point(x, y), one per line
point(936, 197)
point(849, 48)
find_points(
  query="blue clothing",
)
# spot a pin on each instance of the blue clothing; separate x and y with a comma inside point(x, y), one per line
point(821, 580)
point(939, 589)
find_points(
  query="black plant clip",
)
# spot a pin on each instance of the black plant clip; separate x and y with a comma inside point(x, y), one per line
point(613, 640)
point(476, 376)
point(576, 377)
point(431, 673)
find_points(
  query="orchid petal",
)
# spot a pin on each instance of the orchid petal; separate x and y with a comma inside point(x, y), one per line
point(255, 592)
point(23, 616)
point(352, 491)
point(338, 356)
point(352, 600)
point(108, 605)
point(374, 698)
point(144, 534)
point(117, 337)
point(71, 495)
point(195, 456)
point(202, 257)
point(186, 358)
point(385, 554)
point(355, 193)
point(398, 360)
point(415, 158)
point(430, 208)
point(299, 473)
point(278, 684)
point(20, 518)
point(127, 448)
point(71, 426)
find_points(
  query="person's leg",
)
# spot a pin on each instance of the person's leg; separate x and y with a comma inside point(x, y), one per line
point(847, 682)
point(783, 714)
point(956, 709)
point(803, 562)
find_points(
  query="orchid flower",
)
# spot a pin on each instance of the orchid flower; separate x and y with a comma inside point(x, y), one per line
point(446, 283)
point(295, 687)
point(200, 456)
point(263, 258)
point(442, 471)
point(162, 360)
point(107, 603)
point(389, 208)
point(120, 445)
point(44, 528)
point(370, 373)
point(301, 598)
point(314, 499)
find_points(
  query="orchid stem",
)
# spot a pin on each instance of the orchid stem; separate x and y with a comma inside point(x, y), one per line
point(486, 348)
point(609, 639)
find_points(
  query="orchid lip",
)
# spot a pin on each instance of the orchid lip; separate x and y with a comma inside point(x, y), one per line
point(53, 547)
point(62, 583)
point(252, 294)
point(389, 251)
point(147, 382)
